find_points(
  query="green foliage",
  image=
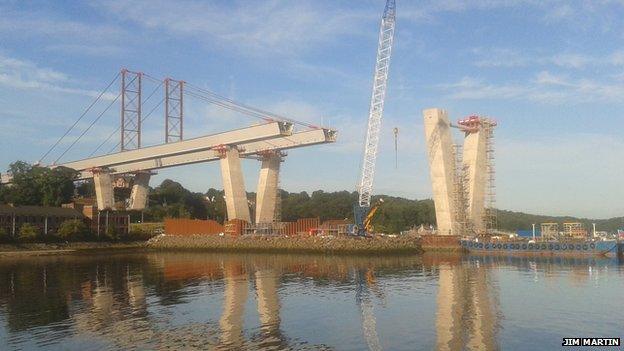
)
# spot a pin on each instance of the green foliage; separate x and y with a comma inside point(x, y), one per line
point(28, 233)
point(39, 186)
point(4, 236)
point(85, 188)
point(171, 200)
point(139, 234)
point(73, 230)
point(111, 233)
point(512, 221)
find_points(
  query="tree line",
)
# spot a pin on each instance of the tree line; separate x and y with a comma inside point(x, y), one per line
point(35, 185)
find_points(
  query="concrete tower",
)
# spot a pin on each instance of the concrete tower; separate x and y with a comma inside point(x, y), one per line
point(442, 168)
point(476, 167)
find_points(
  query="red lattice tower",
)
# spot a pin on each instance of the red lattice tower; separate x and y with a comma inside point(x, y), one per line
point(130, 110)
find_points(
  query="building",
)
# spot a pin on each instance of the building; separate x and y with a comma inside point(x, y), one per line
point(47, 219)
point(100, 221)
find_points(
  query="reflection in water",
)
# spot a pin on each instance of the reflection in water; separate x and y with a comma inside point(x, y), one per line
point(198, 301)
point(236, 288)
point(467, 308)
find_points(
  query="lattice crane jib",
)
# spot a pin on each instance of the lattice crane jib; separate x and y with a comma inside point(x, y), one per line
point(380, 80)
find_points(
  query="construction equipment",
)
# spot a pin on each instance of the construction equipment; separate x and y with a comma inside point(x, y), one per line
point(368, 221)
point(384, 50)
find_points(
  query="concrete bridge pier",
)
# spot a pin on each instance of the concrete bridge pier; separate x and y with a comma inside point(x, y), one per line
point(442, 167)
point(140, 191)
point(475, 158)
point(103, 181)
point(267, 193)
point(233, 184)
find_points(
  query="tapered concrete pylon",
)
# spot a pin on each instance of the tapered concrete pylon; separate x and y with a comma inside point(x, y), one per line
point(266, 197)
point(140, 191)
point(441, 166)
point(103, 181)
point(234, 185)
point(474, 158)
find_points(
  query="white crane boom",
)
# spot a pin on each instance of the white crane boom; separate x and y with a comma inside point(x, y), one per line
point(384, 50)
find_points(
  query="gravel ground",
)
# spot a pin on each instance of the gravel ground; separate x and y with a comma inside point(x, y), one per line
point(332, 245)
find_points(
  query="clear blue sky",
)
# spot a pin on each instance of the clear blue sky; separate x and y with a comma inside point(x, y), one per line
point(551, 73)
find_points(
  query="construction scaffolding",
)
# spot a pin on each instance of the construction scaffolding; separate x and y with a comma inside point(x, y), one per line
point(550, 231)
point(278, 202)
point(463, 226)
point(490, 217)
point(574, 230)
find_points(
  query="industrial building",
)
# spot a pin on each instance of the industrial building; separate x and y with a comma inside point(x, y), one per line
point(49, 219)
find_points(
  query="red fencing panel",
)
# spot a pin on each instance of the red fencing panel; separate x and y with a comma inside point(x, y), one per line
point(235, 227)
point(192, 227)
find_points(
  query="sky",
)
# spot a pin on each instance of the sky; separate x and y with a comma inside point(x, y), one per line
point(550, 72)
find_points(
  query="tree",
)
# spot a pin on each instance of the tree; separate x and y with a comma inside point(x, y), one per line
point(39, 186)
point(73, 230)
point(25, 190)
point(57, 186)
point(28, 233)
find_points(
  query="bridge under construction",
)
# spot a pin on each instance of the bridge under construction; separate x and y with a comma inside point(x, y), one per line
point(266, 142)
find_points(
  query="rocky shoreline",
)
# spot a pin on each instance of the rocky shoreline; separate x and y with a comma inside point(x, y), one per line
point(215, 243)
point(299, 244)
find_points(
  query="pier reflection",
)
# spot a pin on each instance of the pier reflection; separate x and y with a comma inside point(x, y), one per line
point(232, 302)
point(467, 305)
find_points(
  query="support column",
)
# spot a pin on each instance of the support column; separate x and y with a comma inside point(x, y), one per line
point(475, 160)
point(103, 180)
point(266, 197)
point(140, 191)
point(233, 185)
point(441, 165)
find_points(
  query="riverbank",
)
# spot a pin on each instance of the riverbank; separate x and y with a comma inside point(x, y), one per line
point(276, 244)
point(214, 243)
point(44, 249)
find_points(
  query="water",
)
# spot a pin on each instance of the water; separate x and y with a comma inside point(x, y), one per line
point(186, 301)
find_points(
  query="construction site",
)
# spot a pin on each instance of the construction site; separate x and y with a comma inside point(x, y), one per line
point(463, 176)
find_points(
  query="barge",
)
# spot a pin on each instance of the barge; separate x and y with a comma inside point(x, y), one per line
point(563, 248)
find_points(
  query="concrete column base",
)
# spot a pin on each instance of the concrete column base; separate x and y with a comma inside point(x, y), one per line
point(140, 191)
point(234, 185)
point(103, 181)
point(266, 197)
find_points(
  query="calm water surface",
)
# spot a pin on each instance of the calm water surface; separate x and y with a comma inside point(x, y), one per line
point(186, 301)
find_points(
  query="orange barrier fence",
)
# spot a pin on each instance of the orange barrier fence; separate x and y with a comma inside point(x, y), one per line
point(302, 225)
point(192, 226)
